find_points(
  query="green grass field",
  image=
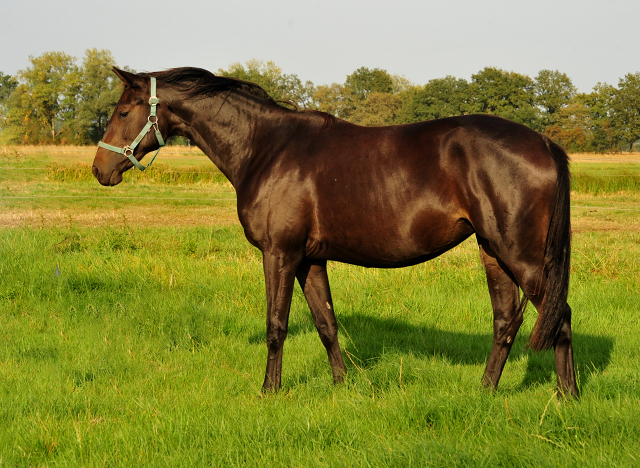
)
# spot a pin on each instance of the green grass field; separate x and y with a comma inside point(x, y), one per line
point(132, 323)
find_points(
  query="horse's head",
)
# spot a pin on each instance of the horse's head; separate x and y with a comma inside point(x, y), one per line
point(135, 128)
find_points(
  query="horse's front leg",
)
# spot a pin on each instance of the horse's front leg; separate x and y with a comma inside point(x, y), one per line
point(279, 272)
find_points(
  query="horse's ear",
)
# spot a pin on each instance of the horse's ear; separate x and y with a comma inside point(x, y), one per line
point(130, 80)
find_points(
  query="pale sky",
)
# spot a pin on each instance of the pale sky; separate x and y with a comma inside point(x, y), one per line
point(324, 41)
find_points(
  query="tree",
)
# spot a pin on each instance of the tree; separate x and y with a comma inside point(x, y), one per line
point(359, 85)
point(625, 109)
point(7, 85)
point(441, 97)
point(330, 99)
point(363, 81)
point(269, 76)
point(47, 91)
point(349, 100)
point(377, 109)
point(98, 94)
point(401, 84)
point(572, 127)
point(507, 94)
point(601, 137)
point(553, 91)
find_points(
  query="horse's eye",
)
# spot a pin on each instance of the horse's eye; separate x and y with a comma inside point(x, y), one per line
point(123, 114)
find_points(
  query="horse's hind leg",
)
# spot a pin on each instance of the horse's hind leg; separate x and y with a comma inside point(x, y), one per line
point(563, 349)
point(314, 282)
point(533, 284)
point(507, 313)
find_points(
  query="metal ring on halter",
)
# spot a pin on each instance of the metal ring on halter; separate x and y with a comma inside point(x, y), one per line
point(153, 123)
point(125, 149)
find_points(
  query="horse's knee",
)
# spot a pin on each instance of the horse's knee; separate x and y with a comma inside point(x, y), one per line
point(276, 335)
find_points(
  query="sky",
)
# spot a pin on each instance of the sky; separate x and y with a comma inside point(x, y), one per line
point(324, 41)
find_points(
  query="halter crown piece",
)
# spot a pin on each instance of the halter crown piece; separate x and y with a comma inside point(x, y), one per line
point(152, 121)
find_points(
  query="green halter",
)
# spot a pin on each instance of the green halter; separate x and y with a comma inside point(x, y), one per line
point(152, 121)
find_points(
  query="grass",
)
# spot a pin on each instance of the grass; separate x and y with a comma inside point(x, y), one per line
point(609, 178)
point(157, 174)
point(129, 341)
point(189, 166)
point(597, 179)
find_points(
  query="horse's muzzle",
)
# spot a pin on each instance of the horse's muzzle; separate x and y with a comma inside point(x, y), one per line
point(107, 179)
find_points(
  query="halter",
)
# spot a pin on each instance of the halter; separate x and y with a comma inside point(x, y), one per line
point(152, 121)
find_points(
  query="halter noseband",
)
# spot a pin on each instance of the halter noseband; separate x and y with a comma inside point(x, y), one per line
point(152, 121)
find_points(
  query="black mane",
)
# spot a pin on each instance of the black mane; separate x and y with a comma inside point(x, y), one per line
point(200, 83)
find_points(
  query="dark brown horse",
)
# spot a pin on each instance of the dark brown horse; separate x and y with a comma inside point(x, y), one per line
point(313, 188)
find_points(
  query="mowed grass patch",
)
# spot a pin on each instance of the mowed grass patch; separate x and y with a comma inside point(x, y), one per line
point(135, 346)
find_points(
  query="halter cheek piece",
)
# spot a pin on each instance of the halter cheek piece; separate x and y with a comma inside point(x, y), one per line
point(152, 121)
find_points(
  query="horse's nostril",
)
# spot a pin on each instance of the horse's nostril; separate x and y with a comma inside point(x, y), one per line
point(95, 171)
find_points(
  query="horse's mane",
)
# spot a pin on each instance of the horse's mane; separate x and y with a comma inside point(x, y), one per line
point(200, 83)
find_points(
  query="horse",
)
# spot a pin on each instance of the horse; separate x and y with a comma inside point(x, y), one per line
point(313, 188)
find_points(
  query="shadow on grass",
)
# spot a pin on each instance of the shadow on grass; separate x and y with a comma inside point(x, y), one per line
point(368, 338)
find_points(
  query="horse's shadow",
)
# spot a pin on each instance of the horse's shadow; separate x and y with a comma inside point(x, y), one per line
point(369, 338)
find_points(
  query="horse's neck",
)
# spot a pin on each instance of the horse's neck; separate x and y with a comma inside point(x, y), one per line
point(226, 129)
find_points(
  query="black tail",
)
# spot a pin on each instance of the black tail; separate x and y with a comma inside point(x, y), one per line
point(557, 258)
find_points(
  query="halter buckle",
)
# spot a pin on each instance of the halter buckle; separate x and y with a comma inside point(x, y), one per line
point(127, 151)
point(154, 101)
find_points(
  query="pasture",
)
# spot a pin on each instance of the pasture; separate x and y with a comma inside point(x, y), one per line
point(132, 333)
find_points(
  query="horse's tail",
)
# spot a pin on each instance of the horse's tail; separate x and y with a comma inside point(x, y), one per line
point(556, 259)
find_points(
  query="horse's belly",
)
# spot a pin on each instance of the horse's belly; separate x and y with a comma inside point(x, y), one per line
point(388, 246)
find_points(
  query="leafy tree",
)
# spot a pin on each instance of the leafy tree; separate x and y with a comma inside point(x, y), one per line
point(363, 81)
point(377, 109)
point(45, 97)
point(441, 97)
point(350, 100)
point(625, 109)
point(359, 85)
point(553, 91)
point(601, 137)
point(401, 84)
point(270, 77)
point(7, 85)
point(572, 127)
point(507, 94)
point(98, 94)
point(330, 99)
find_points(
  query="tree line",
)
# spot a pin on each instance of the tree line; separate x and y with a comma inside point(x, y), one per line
point(57, 101)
